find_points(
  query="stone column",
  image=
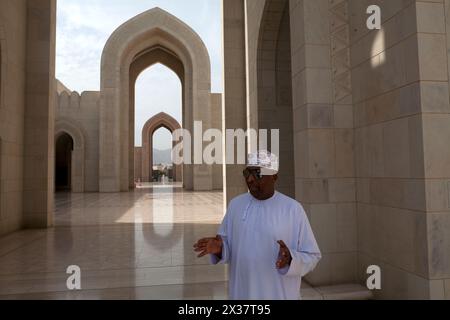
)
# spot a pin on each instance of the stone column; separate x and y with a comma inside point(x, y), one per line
point(323, 134)
point(138, 164)
point(131, 142)
point(39, 114)
point(235, 87)
point(177, 169)
point(433, 23)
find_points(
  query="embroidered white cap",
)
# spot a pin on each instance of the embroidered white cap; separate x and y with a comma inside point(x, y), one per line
point(268, 162)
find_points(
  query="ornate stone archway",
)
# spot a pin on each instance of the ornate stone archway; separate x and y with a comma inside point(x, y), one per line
point(64, 126)
point(146, 59)
point(151, 37)
point(160, 120)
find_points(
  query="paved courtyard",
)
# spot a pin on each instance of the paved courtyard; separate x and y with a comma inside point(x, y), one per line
point(135, 245)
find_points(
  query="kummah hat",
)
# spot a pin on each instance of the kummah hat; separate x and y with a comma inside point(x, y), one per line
point(268, 162)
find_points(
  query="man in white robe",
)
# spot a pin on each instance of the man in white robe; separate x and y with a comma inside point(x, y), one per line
point(265, 237)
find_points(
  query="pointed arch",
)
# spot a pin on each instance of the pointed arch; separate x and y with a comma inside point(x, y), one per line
point(151, 126)
point(151, 37)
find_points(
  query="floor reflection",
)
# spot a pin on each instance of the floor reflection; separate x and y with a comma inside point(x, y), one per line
point(135, 245)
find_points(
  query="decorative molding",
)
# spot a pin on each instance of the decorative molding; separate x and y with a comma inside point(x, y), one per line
point(340, 51)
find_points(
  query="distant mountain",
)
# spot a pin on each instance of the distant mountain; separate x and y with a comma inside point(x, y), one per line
point(162, 156)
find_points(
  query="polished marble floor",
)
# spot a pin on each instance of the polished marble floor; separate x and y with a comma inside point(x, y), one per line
point(135, 245)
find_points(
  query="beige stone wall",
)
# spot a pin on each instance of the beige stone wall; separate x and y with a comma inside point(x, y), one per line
point(321, 120)
point(12, 109)
point(374, 179)
point(27, 43)
point(82, 111)
point(387, 142)
point(400, 86)
point(440, 208)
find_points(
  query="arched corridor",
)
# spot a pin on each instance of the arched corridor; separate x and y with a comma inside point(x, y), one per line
point(144, 155)
point(137, 44)
point(128, 243)
point(363, 115)
point(158, 88)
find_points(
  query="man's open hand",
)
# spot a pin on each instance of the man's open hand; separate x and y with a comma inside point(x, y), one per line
point(209, 246)
point(284, 256)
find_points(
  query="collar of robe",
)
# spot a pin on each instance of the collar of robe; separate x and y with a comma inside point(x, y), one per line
point(253, 200)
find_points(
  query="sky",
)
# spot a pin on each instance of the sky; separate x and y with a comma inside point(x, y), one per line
point(84, 26)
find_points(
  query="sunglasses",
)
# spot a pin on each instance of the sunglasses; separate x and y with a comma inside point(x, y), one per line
point(256, 173)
